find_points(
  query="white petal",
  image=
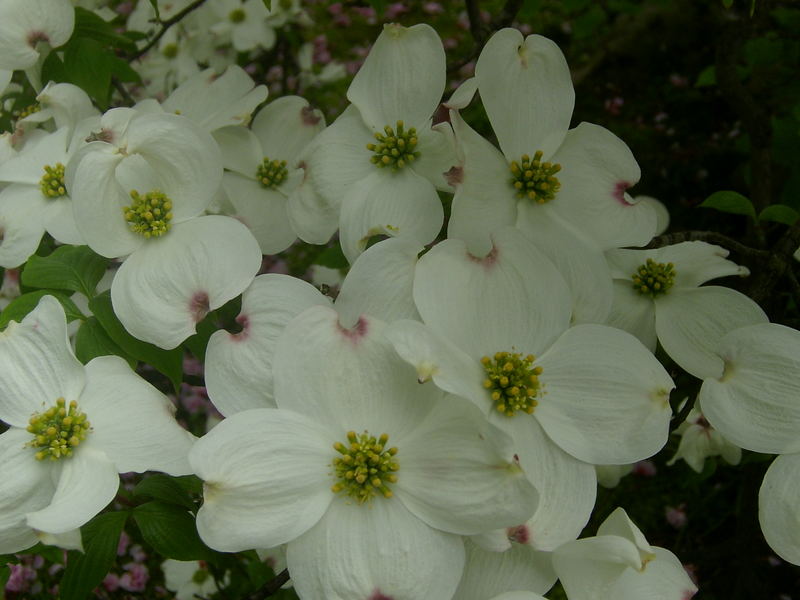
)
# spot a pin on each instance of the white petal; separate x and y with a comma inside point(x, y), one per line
point(379, 283)
point(339, 157)
point(434, 357)
point(690, 323)
point(463, 95)
point(241, 150)
point(132, 422)
point(487, 574)
point(459, 475)
point(589, 568)
point(239, 366)
point(698, 262)
point(619, 523)
point(263, 210)
point(59, 220)
point(375, 551)
point(605, 396)
point(567, 486)
point(285, 126)
point(69, 540)
point(779, 509)
point(577, 258)
point(527, 91)
point(20, 19)
point(167, 286)
point(754, 403)
point(88, 482)
point(21, 223)
point(312, 218)
point(266, 475)
point(27, 486)
point(634, 313)
point(438, 155)
point(28, 165)
point(37, 364)
point(400, 204)
point(348, 379)
point(596, 169)
point(512, 298)
point(402, 78)
point(663, 578)
point(484, 200)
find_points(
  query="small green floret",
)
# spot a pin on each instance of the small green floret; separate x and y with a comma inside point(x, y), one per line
point(52, 182)
point(512, 381)
point(653, 278)
point(534, 179)
point(170, 51)
point(272, 173)
point(149, 215)
point(58, 430)
point(237, 15)
point(395, 147)
point(365, 468)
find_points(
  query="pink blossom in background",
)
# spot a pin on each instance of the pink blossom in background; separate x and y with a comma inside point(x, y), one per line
point(395, 9)
point(433, 8)
point(644, 468)
point(124, 542)
point(135, 577)
point(676, 516)
point(111, 582)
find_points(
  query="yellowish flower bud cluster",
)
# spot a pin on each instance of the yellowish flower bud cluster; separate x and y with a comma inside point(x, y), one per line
point(272, 173)
point(52, 182)
point(149, 215)
point(58, 430)
point(534, 179)
point(395, 148)
point(366, 466)
point(653, 279)
point(512, 381)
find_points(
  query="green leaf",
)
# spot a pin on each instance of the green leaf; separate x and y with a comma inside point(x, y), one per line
point(727, 3)
point(168, 362)
point(707, 77)
point(154, 4)
point(5, 573)
point(779, 213)
point(90, 25)
point(198, 342)
point(92, 341)
point(164, 488)
point(730, 202)
point(87, 64)
point(85, 571)
point(332, 257)
point(74, 268)
point(171, 531)
point(22, 305)
point(53, 68)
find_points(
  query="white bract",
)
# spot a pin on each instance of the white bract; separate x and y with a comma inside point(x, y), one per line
point(381, 160)
point(656, 296)
point(699, 440)
point(72, 429)
point(297, 474)
point(137, 192)
point(619, 563)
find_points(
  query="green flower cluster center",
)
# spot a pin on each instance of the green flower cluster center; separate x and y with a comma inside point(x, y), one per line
point(512, 381)
point(653, 278)
point(58, 430)
point(149, 215)
point(170, 50)
point(237, 15)
point(534, 179)
point(365, 468)
point(395, 147)
point(272, 173)
point(52, 182)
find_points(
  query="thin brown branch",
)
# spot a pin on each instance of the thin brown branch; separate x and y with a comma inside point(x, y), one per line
point(165, 25)
point(272, 586)
point(123, 91)
point(481, 32)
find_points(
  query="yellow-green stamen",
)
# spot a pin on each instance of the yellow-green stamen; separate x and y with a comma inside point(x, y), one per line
point(365, 468)
point(272, 173)
point(29, 110)
point(58, 430)
point(52, 182)
point(512, 381)
point(149, 215)
point(395, 147)
point(534, 179)
point(237, 15)
point(654, 278)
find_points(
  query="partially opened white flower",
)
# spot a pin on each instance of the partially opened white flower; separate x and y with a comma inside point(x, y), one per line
point(66, 104)
point(368, 476)
point(658, 295)
point(189, 579)
point(619, 563)
point(381, 160)
point(138, 192)
point(244, 23)
point(699, 440)
point(73, 428)
point(28, 29)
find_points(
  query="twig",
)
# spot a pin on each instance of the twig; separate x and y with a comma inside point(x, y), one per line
point(165, 25)
point(481, 32)
point(683, 413)
point(123, 91)
point(272, 586)
point(794, 285)
point(711, 237)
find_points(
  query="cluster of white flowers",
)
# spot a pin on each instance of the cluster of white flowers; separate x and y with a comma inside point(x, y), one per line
point(433, 432)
